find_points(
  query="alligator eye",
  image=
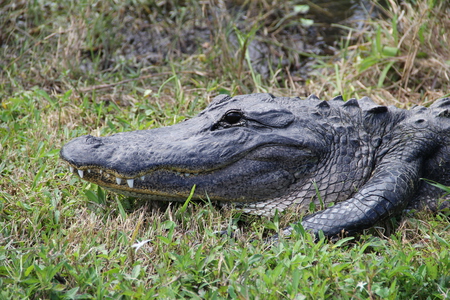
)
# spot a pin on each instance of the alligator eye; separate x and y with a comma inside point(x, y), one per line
point(233, 117)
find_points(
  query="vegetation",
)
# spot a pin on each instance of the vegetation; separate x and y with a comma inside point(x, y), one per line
point(70, 68)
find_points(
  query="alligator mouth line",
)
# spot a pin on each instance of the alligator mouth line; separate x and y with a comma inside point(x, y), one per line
point(97, 175)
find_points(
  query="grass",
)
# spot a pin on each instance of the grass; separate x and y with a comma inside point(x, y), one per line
point(66, 71)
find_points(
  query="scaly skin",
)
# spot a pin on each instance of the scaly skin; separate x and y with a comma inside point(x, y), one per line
point(266, 153)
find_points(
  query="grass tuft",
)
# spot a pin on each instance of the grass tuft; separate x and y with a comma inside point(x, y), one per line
point(400, 60)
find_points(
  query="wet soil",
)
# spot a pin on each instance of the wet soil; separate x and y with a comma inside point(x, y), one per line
point(283, 39)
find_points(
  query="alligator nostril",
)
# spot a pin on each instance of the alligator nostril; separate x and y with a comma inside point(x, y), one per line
point(90, 140)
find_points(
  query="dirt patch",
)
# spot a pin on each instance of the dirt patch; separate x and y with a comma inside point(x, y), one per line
point(284, 37)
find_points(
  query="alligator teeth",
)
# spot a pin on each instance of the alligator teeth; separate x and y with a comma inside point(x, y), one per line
point(130, 182)
point(89, 170)
point(186, 174)
point(142, 177)
point(118, 180)
point(100, 171)
point(81, 173)
point(71, 169)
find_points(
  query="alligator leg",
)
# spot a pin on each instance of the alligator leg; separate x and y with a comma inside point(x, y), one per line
point(381, 197)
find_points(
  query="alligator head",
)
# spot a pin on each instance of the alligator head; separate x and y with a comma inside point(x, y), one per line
point(245, 148)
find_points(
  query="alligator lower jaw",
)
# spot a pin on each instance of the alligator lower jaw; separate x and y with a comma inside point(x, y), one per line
point(134, 186)
point(98, 175)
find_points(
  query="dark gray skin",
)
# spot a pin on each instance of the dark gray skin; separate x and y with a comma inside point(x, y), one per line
point(266, 153)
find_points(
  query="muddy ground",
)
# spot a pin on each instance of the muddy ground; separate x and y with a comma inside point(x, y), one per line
point(287, 38)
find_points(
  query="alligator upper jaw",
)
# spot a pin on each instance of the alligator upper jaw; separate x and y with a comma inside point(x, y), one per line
point(134, 154)
point(123, 163)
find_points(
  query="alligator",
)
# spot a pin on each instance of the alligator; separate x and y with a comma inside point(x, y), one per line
point(359, 163)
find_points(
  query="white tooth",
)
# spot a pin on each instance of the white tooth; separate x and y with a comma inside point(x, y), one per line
point(81, 173)
point(142, 177)
point(118, 180)
point(187, 174)
point(101, 171)
point(71, 169)
point(130, 182)
point(89, 170)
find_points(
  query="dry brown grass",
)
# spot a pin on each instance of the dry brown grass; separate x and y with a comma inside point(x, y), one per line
point(420, 70)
